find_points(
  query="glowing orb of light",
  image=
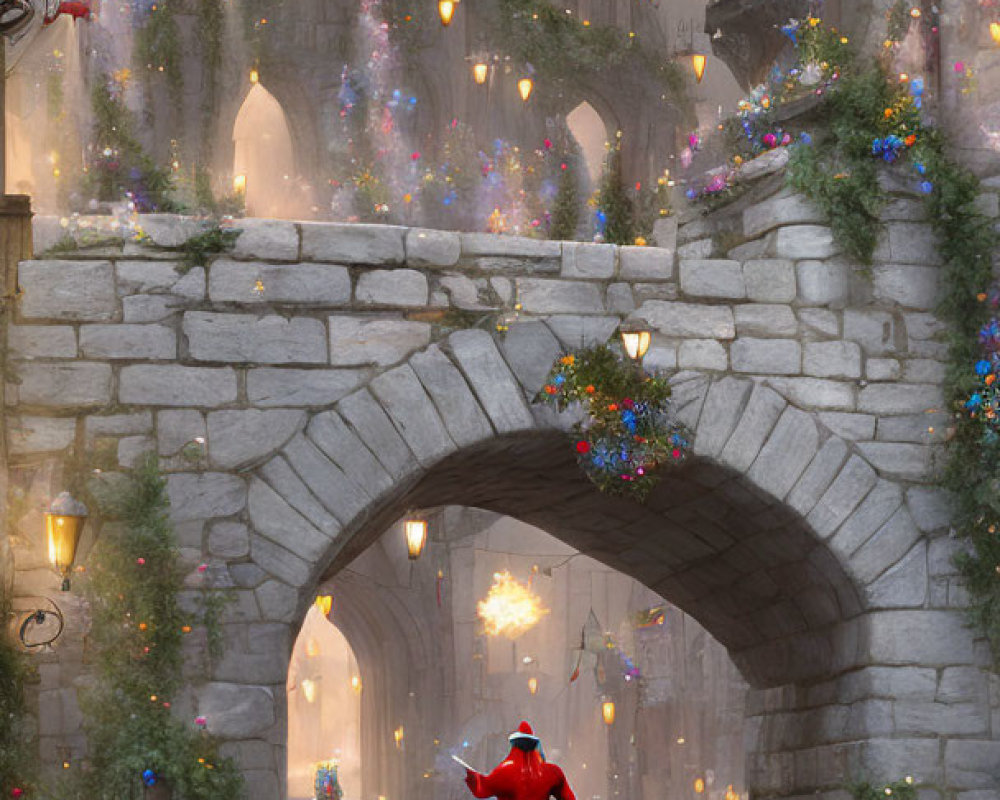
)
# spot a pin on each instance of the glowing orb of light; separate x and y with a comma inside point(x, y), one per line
point(511, 608)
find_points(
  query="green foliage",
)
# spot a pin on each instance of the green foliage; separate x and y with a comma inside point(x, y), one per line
point(199, 248)
point(615, 204)
point(119, 164)
point(899, 20)
point(899, 790)
point(158, 48)
point(626, 433)
point(134, 582)
point(14, 736)
point(566, 207)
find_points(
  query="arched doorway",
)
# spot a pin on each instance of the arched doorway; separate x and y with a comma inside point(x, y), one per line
point(324, 709)
point(263, 159)
point(592, 135)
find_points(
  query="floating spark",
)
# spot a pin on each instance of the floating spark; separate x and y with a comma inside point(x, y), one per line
point(511, 608)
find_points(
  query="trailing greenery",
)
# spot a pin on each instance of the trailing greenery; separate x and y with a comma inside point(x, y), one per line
point(903, 789)
point(211, 32)
point(157, 47)
point(199, 248)
point(626, 434)
point(134, 581)
point(119, 166)
point(15, 741)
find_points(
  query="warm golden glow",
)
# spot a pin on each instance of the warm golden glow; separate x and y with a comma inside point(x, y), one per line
point(636, 343)
point(398, 735)
point(730, 794)
point(479, 72)
point(995, 32)
point(254, 77)
point(608, 712)
point(240, 184)
point(63, 525)
point(324, 602)
point(309, 690)
point(698, 61)
point(699, 785)
point(356, 683)
point(416, 537)
point(446, 8)
point(312, 647)
point(524, 86)
point(533, 685)
point(510, 608)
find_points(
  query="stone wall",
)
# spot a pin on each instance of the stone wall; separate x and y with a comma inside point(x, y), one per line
point(298, 420)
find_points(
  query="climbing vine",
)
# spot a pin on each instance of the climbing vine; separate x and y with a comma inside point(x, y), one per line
point(211, 30)
point(158, 47)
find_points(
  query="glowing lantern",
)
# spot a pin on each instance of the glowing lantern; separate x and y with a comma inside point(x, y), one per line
point(995, 32)
point(356, 683)
point(324, 602)
point(479, 72)
point(533, 685)
point(446, 8)
point(397, 736)
point(240, 184)
point(510, 608)
point(254, 76)
point(309, 690)
point(698, 61)
point(63, 525)
point(699, 785)
point(636, 337)
point(524, 86)
point(608, 712)
point(416, 537)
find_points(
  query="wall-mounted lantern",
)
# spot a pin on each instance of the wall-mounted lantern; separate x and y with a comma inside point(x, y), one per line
point(636, 336)
point(446, 10)
point(63, 525)
point(524, 87)
point(608, 711)
point(416, 537)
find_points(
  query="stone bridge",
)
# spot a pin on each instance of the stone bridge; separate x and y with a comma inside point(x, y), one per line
point(309, 387)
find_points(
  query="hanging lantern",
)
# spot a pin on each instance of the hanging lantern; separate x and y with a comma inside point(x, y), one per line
point(636, 337)
point(480, 70)
point(446, 8)
point(699, 785)
point(356, 683)
point(397, 736)
point(524, 86)
point(254, 76)
point(698, 61)
point(995, 32)
point(63, 525)
point(533, 685)
point(416, 537)
point(309, 690)
point(324, 602)
point(608, 711)
point(240, 184)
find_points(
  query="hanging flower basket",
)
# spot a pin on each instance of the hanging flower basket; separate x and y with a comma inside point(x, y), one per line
point(626, 434)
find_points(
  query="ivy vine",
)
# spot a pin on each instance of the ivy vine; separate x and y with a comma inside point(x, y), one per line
point(158, 48)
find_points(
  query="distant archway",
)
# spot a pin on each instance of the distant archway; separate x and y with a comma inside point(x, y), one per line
point(591, 134)
point(264, 158)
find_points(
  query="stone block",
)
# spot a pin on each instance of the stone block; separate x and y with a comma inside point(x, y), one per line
point(175, 385)
point(159, 277)
point(904, 582)
point(660, 358)
point(913, 287)
point(307, 284)
point(931, 507)
point(82, 291)
point(890, 398)
point(430, 248)
point(404, 399)
point(698, 249)
point(816, 393)
point(910, 461)
point(911, 244)
point(169, 230)
point(236, 711)
point(374, 428)
point(55, 384)
point(283, 479)
point(707, 354)
point(966, 719)
point(837, 359)
point(237, 439)
point(154, 342)
point(493, 244)
point(875, 331)
point(490, 377)
point(586, 260)
point(175, 429)
point(392, 287)
point(266, 238)
point(343, 497)
point(712, 278)
point(575, 333)
point(882, 369)
point(786, 453)
point(248, 338)
point(770, 280)
point(277, 601)
point(724, 405)
point(41, 341)
point(646, 263)
point(465, 420)
point(765, 164)
point(874, 511)
point(823, 283)
point(847, 490)
point(915, 428)
point(924, 637)
point(355, 341)
point(151, 307)
point(463, 292)
point(665, 233)
point(856, 427)
point(331, 434)
point(761, 413)
point(542, 296)
point(229, 540)
point(353, 244)
point(276, 521)
point(118, 424)
point(204, 495)
point(766, 356)
point(269, 386)
point(133, 449)
point(804, 241)
point(620, 300)
point(765, 319)
point(777, 211)
point(689, 319)
point(924, 370)
point(820, 319)
point(530, 348)
point(27, 435)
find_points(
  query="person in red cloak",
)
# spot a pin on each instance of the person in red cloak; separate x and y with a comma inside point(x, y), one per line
point(77, 9)
point(523, 775)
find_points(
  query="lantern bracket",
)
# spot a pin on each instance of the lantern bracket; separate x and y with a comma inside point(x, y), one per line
point(37, 618)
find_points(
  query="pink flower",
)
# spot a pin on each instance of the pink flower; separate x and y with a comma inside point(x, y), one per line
point(415, 155)
point(547, 143)
point(200, 721)
point(202, 567)
point(140, 561)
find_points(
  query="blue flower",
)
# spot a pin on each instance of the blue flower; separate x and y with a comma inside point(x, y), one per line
point(974, 402)
point(921, 169)
point(690, 194)
point(805, 138)
point(559, 380)
point(926, 187)
point(983, 367)
point(877, 147)
point(148, 777)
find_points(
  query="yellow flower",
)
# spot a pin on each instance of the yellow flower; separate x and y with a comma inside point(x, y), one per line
point(843, 40)
point(567, 360)
point(814, 21)
point(888, 113)
point(640, 241)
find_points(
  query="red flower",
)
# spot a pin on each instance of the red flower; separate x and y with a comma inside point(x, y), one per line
point(590, 388)
point(627, 403)
point(676, 453)
point(613, 407)
point(550, 389)
point(583, 446)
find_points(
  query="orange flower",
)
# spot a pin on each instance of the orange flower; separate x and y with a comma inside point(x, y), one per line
point(567, 360)
point(911, 140)
point(590, 388)
point(550, 389)
point(888, 113)
point(981, 296)
point(990, 378)
point(613, 407)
